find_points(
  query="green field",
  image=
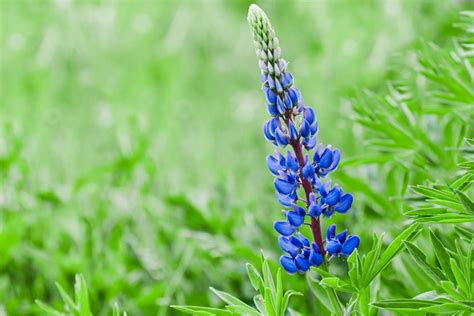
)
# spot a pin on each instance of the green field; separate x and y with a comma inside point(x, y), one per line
point(131, 146)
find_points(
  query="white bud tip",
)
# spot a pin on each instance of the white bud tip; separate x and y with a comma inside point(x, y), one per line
point(255, 10)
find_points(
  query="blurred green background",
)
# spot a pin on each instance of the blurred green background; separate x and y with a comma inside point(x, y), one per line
point(130, 137)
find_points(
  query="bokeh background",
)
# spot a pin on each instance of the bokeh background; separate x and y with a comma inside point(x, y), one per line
point(130, 138)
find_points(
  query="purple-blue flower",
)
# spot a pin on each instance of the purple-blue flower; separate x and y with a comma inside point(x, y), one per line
point(300, 255)
point(298, 172)
point(340, 244)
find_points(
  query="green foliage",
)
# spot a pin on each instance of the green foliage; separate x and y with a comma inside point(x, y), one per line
point(271, 300)
point(452, 276)
point(78, 305)
point(130, 132)
point(423, 131)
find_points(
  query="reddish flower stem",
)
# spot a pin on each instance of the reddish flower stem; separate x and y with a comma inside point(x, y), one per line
point(315, 224)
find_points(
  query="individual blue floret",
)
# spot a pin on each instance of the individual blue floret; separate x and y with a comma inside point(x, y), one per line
point(301, 255)
point(340, 244)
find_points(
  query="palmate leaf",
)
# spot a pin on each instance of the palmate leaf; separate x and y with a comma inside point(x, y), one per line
point(445, 203)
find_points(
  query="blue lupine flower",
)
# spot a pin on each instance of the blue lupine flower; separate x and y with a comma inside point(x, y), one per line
point(338, 244)
point(325, 161)
point(294, 124)
point(301, 255)
point(330, 200)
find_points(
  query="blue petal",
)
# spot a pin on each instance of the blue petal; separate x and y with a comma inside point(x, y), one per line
point(315, 248)
point(278, 86)
point(263, 78)
point(280, 105)
point(316, 183)
point(288, 264)
point(287, 246)
point(302, 263)
point(288, 103)
point(293, 92)
point(281, 138)
point(335, 159)
point(323, 190)
point(271, 96)
point(310, 143)
point(344, 203)
point(314, 128)
point(281, 160)
point(273, 165)
point(274, 124)
point(293, 195)
point(284, 228)
point(308, 171)
point(292, 162)
point(272, 109)
point(333, 247)
point(326, 158)
point(282, 64)
point(293, 131)
point(331, 232)
point(267, 133)
point(309, 115)
point(299, 210)
point(306, 253)
point(341, 237)
point(283, 187)
point(298, 243)
point(315, 258)
point(318, 153)
point(305, 129)
point(295, 219)
point(314, 210)
point(328, 212)
point(333, 197)
point(303, 239)
point(271, 82)
point(284, 200)
point(349, 245)
point(287, 79)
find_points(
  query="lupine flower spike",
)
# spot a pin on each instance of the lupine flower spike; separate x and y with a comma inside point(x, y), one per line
point(297, 171)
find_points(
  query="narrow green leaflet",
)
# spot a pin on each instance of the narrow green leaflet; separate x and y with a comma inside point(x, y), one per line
point(420, 258)
point(427, 306)
point(409, 234)
point(226, 297)
point(202, 311)
point(466, 202)
point(255, 278)
point(442, 255)
point(77, 307)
